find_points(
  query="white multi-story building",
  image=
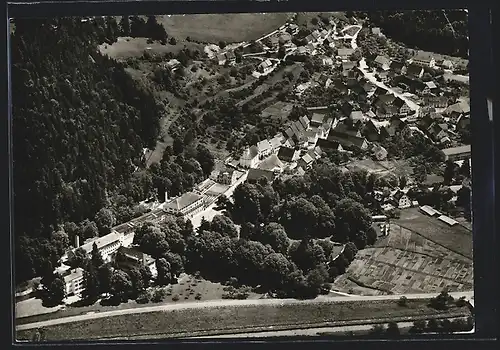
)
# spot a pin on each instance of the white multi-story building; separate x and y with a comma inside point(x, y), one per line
point(189, 204)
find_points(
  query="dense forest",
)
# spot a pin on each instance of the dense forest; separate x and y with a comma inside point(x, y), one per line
point(426, 30)
point(79, 123)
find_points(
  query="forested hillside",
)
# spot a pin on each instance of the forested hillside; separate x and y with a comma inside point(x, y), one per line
point(79, 125)
point(426, 30)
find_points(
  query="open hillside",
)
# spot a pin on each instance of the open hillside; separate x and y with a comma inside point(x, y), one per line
point(80, 123)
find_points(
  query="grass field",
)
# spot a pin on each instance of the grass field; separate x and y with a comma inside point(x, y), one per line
point(383, 168)
point(212, 28)
point(187, 288)
point(410, 262)
point(189, 322)
point(135, 47)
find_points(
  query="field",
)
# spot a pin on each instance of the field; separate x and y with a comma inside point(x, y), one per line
point(212, 28)
point(383, 168)
point(186, 289)
point(135, 47)
point(408, 261)
point(234, 319)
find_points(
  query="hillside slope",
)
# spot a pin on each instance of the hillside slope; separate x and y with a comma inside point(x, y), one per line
point(79, 125)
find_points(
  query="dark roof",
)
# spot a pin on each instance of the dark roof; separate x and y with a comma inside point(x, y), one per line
point(398, 195)
point(256, 174)
point(344, 128)
point(397, 66)
point(286, 154)
point(328, 144)
point(379, 91)
point(347, 140)
point(347, 108)
point(398, 102)
point(413, 69)
point(348, 65)
point(289, 132)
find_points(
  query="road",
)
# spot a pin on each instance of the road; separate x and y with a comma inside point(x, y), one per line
point(227, 303)
point(370, 76)
point(309, 332)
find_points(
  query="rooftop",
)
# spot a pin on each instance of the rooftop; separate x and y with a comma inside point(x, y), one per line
point(102, 241)
point(456, 150)
point(256, 174)
point(183, 201)
point(76, 273)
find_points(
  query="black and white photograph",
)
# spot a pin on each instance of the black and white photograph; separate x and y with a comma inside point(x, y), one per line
point(246, 175)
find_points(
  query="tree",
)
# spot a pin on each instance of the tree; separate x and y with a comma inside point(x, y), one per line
point(276, 269)
point(392, 329)
point(91, 283)
point(206, 159)
point(95, 257)
point(371, 236)
point(449, 172)
point(353, 220)
point(105, 220)
point(274, 234)
point(465, 169)
point(433, 325)
point(403, 181)
point(164, 272)
point(121, 286)
point(89, 229)
point(350, 251)
point(301, 218)
point(104, 274)
point(418, 326)
point(137, 282)
point(377, 329)
point(403, 301)
point(125, 25)
point(224, 225)
point(172, 41)
point(54, 290)
point(77, 258)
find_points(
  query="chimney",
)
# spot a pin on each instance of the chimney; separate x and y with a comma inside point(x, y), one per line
point(144, 259)
point(77, 241)
point(166, 196)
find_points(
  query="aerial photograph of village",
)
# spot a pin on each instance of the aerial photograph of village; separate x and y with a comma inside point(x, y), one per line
point(255, 175)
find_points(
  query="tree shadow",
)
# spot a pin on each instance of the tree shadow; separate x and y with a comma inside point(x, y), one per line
point(111, 301)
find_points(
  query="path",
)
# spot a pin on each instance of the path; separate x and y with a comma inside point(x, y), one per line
point(228, 303)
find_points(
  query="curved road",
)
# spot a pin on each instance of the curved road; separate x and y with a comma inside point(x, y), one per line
point(371, 77)
point(228, 303)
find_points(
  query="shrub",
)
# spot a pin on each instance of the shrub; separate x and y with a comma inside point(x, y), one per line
point(143, 298)
point(403, 301)
point(175, 297)
point(198, 296)
point(158, 296)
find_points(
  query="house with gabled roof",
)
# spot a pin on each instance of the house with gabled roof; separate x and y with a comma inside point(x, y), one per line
point(287, 154)
point(437, 131)
point(188, 205)
point(436, 101)
point(371, 132)
point(457, 109)
point(330, 145)
point(415, 71)
point(357, 116)
point(317, 119)
point(382, 62)
point(264, 147)
point(272, 163)
point(424, 59)
point(400, 200)
point(397, 67)
point(463, 122)
point(275, 143)
point(305, 122)
point(305, 161)
point(250, 157)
